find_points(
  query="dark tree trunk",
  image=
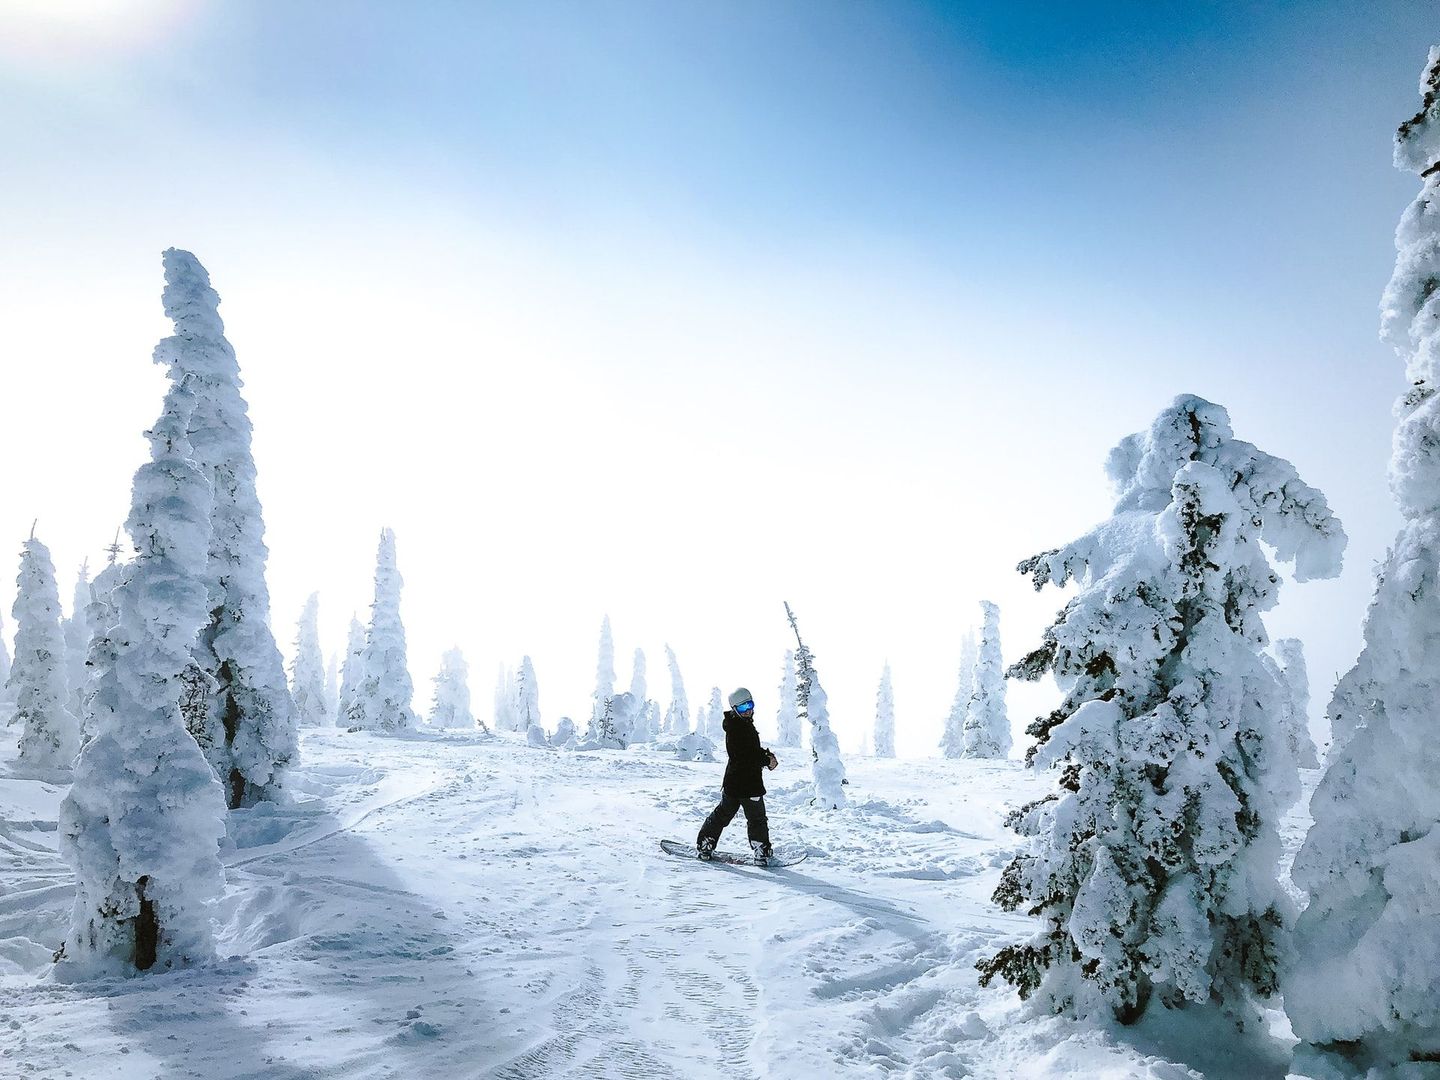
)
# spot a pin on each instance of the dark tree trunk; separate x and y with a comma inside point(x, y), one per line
point(147, 930)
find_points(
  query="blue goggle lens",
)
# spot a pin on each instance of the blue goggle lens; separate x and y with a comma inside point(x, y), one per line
point(745, 707)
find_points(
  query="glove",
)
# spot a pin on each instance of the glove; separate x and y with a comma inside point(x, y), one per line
point(774, 762)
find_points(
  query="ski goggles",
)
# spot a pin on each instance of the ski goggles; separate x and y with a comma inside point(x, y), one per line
point(745, 708)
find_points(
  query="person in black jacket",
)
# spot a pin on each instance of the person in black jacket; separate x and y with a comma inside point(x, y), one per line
point(744, 784)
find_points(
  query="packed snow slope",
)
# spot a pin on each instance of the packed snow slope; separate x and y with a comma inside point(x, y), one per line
point(452, 906)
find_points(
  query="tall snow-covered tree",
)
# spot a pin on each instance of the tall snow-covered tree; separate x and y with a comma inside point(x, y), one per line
point(307, 673)
point(77, 641)
point(677, 716)
point(1364, 990)
point(143, 822)
point(826, 767)
point(986, 733)
point(50, 734)
point(527, 697)
point(332, 687)
point(383, 700)
point(714, 717)
point(787, 715)
point(4, 663)
point(604, 673)
point(885, 717)
point(647, 711)
point(451, 708)
point(101, 618)
point(505, 719)
point(1288, 667)
point(247, 728)
point(1154, 868)
point(952, 742)
point(352, 671)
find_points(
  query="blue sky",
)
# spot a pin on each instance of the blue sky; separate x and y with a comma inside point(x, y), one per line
point(611, 276)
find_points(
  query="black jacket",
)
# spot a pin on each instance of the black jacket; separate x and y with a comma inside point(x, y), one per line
point(745, 774)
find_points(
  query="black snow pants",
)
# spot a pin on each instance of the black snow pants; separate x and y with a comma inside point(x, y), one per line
point(757, 825)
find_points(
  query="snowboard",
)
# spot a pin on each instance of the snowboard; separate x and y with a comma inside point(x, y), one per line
point(732, 858)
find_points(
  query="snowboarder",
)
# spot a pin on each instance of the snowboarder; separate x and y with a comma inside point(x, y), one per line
point(744, 785)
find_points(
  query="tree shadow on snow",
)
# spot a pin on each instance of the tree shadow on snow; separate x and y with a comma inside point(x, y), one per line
point(345, 973)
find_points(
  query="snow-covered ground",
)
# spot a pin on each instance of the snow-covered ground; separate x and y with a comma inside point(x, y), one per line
point(447, 906)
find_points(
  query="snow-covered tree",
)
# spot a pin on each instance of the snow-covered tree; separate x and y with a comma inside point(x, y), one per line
point(4, 660)
point(332, 687)
point(101, 618)
point(247, 728)
point(307, 675)
point(383, 699)
point(1154, 868)
point(1288, 667)
point(677, 716)
point(505, 719)
point(987, 725)
point(144, 818)
point(77, 641)
point(826, 767)
point(1364, 990)
point(451, 708)
point(535, 736)
point(604, 673)
point(564, 735)
point(604, 732)
point(50, 734)
point(647, 717)
point(526, 696)
point(351, 672)
point(952, 742)
point(885, 717)
point(714, 729)
point(787, 715)
point(694, 747)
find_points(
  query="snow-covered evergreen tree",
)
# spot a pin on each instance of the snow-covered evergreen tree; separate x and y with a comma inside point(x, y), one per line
point(451, 708)
point(787, 715)
point(1155, 866)
point(604, 673)
point(307, 675)
point(826, 767)
point(952, 742)
point(885, 717)
point(77, 641)
point(714, 729)
point(144, 818)
point(4, 660)
point(1364, 990)
point(50, 734)
point(101, 618)
point(647, 726)
point(383, 699)
point(526, 696)
point(677, 716)
point(694, 747)
point(332, 688)
point(505, 719)
point(604, 732)
point(987, 724)
point(1288, 666)
point(564, 735)
point(351, 672)
point(248, 728)
point(535, 736)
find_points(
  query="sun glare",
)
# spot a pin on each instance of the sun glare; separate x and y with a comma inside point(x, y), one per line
point(40, 32)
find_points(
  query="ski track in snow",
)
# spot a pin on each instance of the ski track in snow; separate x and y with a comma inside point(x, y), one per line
point(476, 907)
